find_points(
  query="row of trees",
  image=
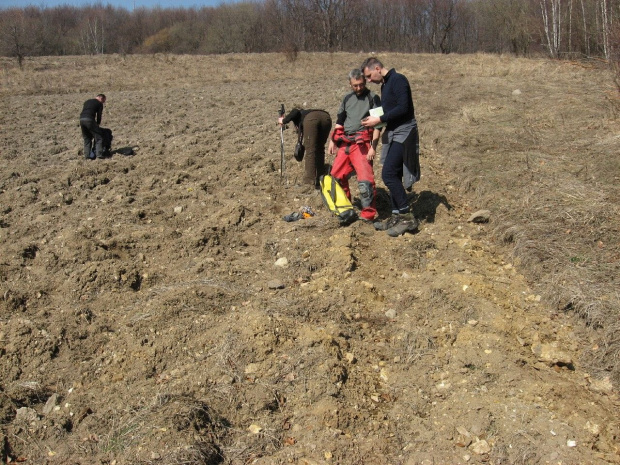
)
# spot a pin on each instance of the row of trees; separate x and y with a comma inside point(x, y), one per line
point(560, 28)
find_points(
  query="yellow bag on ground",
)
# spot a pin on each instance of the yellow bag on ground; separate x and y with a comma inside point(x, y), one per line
point(336, 200)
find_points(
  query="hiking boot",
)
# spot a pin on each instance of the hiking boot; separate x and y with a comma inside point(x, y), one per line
point(404, 223)
point(386, 224)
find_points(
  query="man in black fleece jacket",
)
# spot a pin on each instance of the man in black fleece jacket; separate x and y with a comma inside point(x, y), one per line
point(403, 140)
point(90, 119)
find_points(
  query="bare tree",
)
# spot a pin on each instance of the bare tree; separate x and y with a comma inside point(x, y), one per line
point(93, 37)
point(331, 16)
point(585, 27)
point(605, 28)
point(443, 18)
point(17, 35)
point(586, 39)
point(552, 21)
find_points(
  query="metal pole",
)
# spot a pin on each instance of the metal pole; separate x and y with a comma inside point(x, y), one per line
point(282, 160)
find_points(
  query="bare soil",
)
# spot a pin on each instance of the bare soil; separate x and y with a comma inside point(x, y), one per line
point(143, 318)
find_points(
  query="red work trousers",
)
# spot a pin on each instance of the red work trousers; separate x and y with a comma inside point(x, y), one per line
point(352, 157)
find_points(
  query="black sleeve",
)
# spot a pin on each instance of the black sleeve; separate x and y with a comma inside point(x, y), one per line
point(341, 117)
point(294, 116)
point(99, 113)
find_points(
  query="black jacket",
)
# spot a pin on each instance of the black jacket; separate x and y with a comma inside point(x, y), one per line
point(93, 110)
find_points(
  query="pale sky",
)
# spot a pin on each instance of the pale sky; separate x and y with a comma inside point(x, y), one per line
point(128, 4)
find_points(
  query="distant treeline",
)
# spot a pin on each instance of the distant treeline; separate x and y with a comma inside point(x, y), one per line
point(558, 28)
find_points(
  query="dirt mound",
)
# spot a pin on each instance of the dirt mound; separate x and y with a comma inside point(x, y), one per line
point(156, 309)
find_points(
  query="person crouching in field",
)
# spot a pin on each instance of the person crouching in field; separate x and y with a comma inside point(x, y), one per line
point(314, 127)
point(403, 140)
point(90, 119)
point(354, 145)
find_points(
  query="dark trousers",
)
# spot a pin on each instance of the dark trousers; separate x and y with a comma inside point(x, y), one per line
point(392, 175)
point(317, 125)
point(91, 130)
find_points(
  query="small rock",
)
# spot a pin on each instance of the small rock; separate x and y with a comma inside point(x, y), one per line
point(480, 447)
point(178, 210)
point(275, 284)
point(481, 216)
point(463, 431)
point(516, 92)
point(255, 429)
point(281, 262)
point(443, 386)
point(593, 428)
point(50, 404)
point(551, 353)
point(350, 358)
point(571, 443)
point(307, 461)
point(26, 415)
point(251, 368)
point(391, 314)
point(464, 440)
point(472, 322)
point(226, 379)
point(602, 385)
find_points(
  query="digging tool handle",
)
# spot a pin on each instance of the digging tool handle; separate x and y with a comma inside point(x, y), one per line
point(282, 161)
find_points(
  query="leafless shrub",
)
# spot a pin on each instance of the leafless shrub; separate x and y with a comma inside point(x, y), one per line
point(291, 53)
point(419, 344)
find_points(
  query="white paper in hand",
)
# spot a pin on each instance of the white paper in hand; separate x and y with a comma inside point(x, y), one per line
point(378, 112)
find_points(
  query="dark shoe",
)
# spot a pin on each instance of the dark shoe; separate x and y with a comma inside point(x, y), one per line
point(386, 224)
point(295, 216)
point(404, 223)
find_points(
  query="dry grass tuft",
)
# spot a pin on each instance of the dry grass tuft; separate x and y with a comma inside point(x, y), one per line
point(171, 429)
point(545, 161)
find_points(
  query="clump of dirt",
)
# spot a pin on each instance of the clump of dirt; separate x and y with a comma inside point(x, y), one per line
point(156, 308)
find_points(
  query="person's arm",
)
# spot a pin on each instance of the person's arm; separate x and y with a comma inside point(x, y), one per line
point(294, 115)
point(342, 114)
point(99, 113)
point(331, 147)
point(372, 150)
